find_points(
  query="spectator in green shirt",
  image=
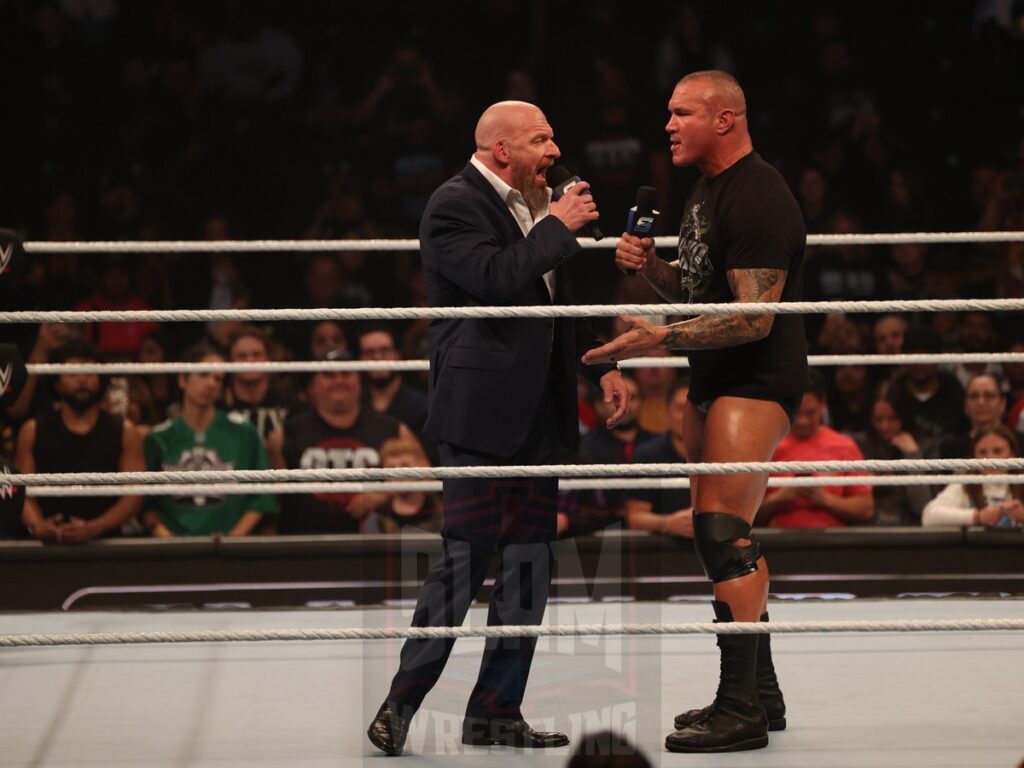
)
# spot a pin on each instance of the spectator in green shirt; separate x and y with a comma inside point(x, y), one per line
point(204, 438)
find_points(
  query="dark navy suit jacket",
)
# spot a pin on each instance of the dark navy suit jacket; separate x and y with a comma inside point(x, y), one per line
point(487, 375)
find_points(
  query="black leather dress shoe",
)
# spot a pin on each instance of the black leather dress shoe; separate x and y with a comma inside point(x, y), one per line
point(388, 730)
point(482, 732)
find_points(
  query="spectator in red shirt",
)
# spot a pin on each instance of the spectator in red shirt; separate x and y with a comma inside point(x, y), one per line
point(117, 339)
point(810, 440)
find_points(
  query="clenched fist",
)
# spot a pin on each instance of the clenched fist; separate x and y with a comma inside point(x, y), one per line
point(634, 253)
point(576, 207)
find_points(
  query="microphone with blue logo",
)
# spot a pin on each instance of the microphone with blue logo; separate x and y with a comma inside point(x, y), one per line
point(642, 216)
point(561, 180)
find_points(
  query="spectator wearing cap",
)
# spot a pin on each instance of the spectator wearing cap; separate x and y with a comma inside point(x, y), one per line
point(311, 341)
point(205, 438)
point(810, 440)
point(336, 432)
point(324, 336)
point(78, 436)
point(115, 293)
point(928, 401)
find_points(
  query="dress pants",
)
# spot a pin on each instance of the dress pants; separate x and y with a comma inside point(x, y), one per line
point(516, 518)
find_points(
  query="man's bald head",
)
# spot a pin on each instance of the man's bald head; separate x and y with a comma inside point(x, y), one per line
point(720, 90)
point(707, 125)
point(515, 142)
point(502, 121)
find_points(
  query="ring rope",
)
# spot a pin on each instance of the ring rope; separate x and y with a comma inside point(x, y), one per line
point(114, 369)
point(289, 366)
point(435, 486)
point(534, 311)
point(411, 244)
point(515, 471)
point(557, 630)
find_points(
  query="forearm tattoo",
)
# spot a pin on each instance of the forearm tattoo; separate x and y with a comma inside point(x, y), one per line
point(716, 331)
point(664, 278)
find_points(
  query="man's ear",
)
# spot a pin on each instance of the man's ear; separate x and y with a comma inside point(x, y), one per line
point(725, 121)
point(501, 152)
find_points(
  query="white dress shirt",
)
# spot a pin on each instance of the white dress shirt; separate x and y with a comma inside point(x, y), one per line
point(520, 210)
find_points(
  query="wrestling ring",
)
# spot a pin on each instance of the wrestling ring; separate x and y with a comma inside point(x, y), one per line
point(929, 679)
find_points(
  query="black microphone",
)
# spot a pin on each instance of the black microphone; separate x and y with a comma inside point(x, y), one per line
point(561, 181)
point(642, 216)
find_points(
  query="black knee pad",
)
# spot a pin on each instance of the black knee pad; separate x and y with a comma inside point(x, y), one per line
point(713, 534)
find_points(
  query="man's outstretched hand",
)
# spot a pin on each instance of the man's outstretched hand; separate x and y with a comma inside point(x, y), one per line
point(641, 339)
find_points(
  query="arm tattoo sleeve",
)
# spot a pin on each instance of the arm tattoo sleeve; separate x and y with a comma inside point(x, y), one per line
point(716, 331)
point(664, 278)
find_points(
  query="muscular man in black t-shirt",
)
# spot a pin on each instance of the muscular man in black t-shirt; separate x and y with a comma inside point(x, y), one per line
point(741, 240)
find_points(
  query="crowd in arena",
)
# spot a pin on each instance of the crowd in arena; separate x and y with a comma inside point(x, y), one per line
point(337, 419)
point(173, 120)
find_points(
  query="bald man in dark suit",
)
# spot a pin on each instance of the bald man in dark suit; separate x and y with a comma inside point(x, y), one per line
point(502, 392)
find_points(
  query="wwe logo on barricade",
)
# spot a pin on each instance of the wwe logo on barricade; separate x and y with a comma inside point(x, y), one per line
point(5, 257)
point(7, 487)
point(6, 374)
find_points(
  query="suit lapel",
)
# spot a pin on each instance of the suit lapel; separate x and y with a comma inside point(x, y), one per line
point(477, 180)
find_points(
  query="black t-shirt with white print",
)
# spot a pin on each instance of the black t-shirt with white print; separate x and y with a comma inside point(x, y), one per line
point(744, 218)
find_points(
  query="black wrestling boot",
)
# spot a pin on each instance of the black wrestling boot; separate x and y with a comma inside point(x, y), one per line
point(388, 731)
point(509, 732)
point(768, 691)
point(736, 720)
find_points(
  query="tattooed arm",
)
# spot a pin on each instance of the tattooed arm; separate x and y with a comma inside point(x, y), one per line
point(716, 331)
point(664, 278)
point(637, 254)
point(704, 332)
